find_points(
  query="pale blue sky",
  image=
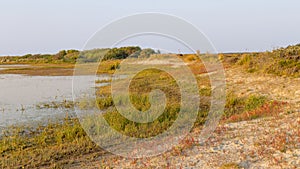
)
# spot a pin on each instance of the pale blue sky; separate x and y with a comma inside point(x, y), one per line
point(47, 26)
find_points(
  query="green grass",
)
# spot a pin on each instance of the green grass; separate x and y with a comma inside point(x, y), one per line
point(139, 88)
point(104, 103)
point(56, 144)
point(250, 107)
point(238, 105)
point(254, 101)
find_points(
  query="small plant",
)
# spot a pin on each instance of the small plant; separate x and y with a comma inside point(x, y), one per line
point(254, 102)
point(230, 166)
point(245, 59)
point(104, 103)
point(272, 108)
point(103, 81)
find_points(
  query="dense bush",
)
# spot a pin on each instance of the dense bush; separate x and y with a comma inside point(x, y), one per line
point(63, 56)
point(291, 52)
point(71, 56)
point(121, 53)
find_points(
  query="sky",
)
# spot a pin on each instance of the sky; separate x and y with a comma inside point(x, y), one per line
point(48, 26)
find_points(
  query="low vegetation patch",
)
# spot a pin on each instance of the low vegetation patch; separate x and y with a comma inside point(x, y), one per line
point(56, 144)
point(280, 62)
point(230, 166)
point(249, 108)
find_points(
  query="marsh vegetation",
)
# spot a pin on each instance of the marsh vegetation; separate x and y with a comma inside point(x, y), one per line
point(59, 143)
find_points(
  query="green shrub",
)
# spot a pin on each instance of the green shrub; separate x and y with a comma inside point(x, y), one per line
point(245, 59)
point(237, 105)
point(103, 103)
point(121, 53)
point(254, 102)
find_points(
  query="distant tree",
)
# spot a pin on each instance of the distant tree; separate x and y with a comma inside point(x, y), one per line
point(135, 54)
point(71, 56)
point(115, 53)
point(27, 56)
point(72, 51)
point(146, 53)
point(121, 53)
point(60, 55)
